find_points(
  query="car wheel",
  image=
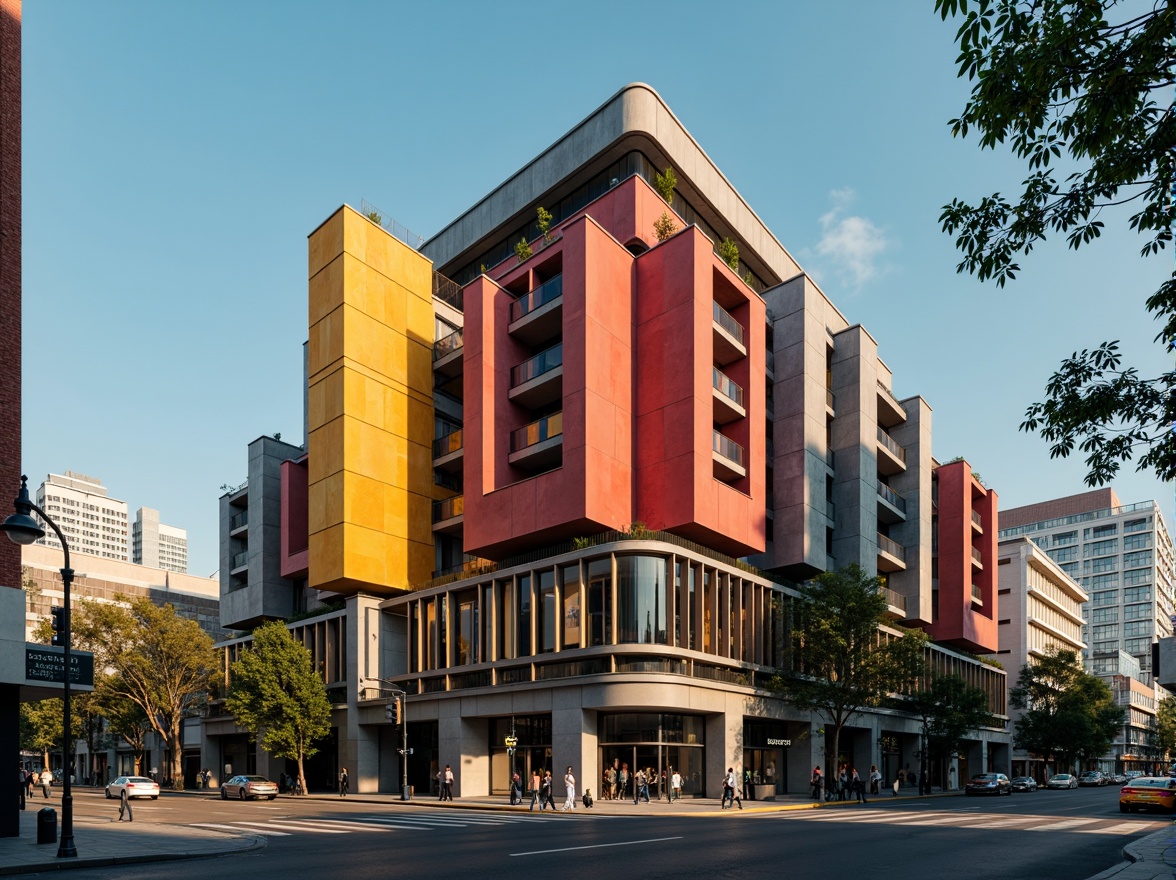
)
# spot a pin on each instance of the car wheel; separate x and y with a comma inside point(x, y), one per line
point(272, 796)
point(154, 797)
point(1123, 808)
point(224, 794)
point(241, 794)
point(108, 797)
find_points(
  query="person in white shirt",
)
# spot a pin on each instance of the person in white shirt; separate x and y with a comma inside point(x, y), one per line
point(570, 784)
point(676, 785)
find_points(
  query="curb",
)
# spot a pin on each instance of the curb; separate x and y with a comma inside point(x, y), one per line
point(254, 842)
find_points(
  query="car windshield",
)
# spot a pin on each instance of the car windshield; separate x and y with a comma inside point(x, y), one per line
point(1062, 776)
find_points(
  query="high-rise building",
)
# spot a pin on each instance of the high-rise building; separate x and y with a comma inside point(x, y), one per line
point(158, 545)
point(568, 493)
point(93, 522)
point(1122, 556)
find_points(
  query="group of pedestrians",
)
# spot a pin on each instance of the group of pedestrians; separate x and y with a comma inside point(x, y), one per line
point(849, 784)
point(30, 779)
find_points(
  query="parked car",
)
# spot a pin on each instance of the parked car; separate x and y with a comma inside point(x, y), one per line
point(248, 787)
point(1023, 783)
point(1062, 780)
point(134, 786)
point(989, 783)
point(1133, 774)
point(1093, 777)
point(1144, 792)
point(1117, 778)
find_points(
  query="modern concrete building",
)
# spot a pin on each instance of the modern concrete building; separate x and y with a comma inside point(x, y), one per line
point(568, 498)
point(157, 545)
point(93, 522)
point(1042, 609)
point(1121, 555)
point(98, 579)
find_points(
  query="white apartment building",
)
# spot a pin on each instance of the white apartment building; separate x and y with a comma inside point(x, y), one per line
point(93, 522)
point(1122, 556)
point(158, 545)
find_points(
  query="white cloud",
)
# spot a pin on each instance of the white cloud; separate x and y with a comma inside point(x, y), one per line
point(851, 247)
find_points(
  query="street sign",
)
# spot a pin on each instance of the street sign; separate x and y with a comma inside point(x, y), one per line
point(46, 663)
point(511, 741)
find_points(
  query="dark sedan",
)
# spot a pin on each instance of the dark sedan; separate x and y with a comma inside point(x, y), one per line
point(989, 783)
point(1023, 783)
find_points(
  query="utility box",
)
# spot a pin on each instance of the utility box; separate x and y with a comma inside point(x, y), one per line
point(47, 825)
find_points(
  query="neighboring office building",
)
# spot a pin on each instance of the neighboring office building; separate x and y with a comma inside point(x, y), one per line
point(157, 545)
point(1042, 608)
point(598, 432)
point(1121, 555)
point(93, 523)
point(104, 580)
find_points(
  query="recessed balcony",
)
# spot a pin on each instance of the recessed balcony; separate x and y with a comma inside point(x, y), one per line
point(447, 354)
point(977, 558)
point(728, 458)
point(239, 563)
point(896, 604)
point(449, 451)
point(830, 403)
point(890, 411)
point(977, 596)
point(891, 554)
point(770, 364)
point(539, 445)
point(449, 515)
point(977, 523)
point(239, 524)
point(891, 505)
point(728, 397)
point(728, 336)
point(891, 456)
point(538, 381)
point(538, 315)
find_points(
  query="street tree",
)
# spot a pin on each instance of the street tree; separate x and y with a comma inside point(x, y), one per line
point(1166, 727)
point(1080, 88)
point(41, 727)
point(277, 696)
point(949, 709)
point(1066, 713)
point(838, 661)
point(157, 660)
point(124, 718)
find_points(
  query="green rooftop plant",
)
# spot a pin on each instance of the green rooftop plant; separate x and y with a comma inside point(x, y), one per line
point(665, 184)
point(664, 226)
point(375, 217)
point(729, 253)
point(544, 223)
point(522, 249)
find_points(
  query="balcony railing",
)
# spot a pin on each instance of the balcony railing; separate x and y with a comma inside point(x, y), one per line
point(536, 432)
point(894, 600)
point(540, 296)
point(239, 519)
point(240, 559)
point(451, 442)
point(893, 498)
point(889, 442)
point(541, 363)
point(447, 345)
point(723, 319)
point(888, 545)
point(976, 557)
point(976, 520)
point(727, 386)
point(727, 448)
point(448, 508)
point(976, 595)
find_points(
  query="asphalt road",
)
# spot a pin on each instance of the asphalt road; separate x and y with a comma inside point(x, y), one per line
point(1064, 835)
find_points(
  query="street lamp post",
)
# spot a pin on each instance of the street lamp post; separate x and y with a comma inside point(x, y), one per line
point(23, 529)
point(402, 696)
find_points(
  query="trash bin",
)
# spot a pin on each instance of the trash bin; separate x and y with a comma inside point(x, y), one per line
point(407, 792)
point(47, 825)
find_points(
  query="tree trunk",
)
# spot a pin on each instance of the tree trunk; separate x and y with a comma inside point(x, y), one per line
point(301, 773)
point(836, 777)
point(175, 758)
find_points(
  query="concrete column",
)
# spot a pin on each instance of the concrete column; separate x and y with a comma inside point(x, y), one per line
point(10, 745)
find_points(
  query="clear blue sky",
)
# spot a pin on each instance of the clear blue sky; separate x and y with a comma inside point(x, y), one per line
point(176, 156)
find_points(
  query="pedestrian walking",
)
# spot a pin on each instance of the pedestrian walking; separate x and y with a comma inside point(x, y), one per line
point(344, 781)
point(676, 785)
point(609, 791)
point(536, 781)
point(570, 786)
point(622, 780)
point(815, 783)
point(516, 788)
point(447, 784)
point(46, 781)
point(638, 782)
point(731, 790)
point(875, 779)
point(858, 787)
point(547, 793)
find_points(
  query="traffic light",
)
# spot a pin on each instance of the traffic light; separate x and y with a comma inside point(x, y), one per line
point(60, 625)
point(392, 711)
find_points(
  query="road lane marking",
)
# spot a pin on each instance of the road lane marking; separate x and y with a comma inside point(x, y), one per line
point(342, 823)
point(290, 826)
point(542, 852)
point(235, 828)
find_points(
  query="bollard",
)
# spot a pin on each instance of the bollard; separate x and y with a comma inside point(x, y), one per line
point(47, 825)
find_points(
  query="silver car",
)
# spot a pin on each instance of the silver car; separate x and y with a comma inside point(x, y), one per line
point(249, 787)
point(1062, 780)
point(133, 787)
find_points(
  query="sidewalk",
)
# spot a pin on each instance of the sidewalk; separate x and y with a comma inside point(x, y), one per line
point(109, 842)
point(1149, 858)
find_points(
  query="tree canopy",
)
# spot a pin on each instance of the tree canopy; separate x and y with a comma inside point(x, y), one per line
point(950, 708)
point(1081, 91)
point(276, 695)
point(1066, 713)
point(838, 662)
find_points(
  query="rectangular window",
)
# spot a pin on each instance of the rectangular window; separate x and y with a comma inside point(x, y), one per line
point(1138, 559)
point(488, 623)
point(1105, 581)
point(523, 595)
point(1136, 629)
point(1138, 576)
point(1109, 598)
point(1065, 539)
point(1136, 525)
point(692, 607)
point(466, 648)
point(1070, 568)
point(1066, 554)
point(1137, 646)
point(1104, 615)
point(504, 595)
point(1107, 563)
point(570, 582)
point(1108, 631)
point(1100, 532)
point(1105, 647)
point(545, 628)
point(600, 601)
point(1100, 548)
point(1142, 611)
point(1137, 542)
point(1137, 594)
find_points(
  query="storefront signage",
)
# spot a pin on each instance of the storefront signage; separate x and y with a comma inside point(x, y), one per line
point(44, 663)
point(779, 742)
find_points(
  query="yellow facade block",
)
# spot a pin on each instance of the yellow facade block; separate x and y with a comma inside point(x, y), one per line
point(325, 556)
point(419, 428)
point(326, 242)
point(420, 563)
point(365, 289)
point(324, 499)
point(420, 325)
point(374, 345)
point(396, 512)
point(326, 341)
point(420, 519)
point(327, 455)
point(325, 291)
point(363, 503)
point(325, 401)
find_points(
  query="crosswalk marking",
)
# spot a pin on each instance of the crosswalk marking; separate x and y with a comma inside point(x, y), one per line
point(1121, 828)
point(343, 823)
point(235, 828)
point(290, 825)
point(977, 821)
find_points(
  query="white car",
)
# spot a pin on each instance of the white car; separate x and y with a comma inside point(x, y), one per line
point(1062, 780)
point(134, 787)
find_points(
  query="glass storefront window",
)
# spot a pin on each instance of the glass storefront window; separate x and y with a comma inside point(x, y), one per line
point(507, 649)
point(548, 618)
point(600, 602)
point(570, 577)
point(641, 600)
point(487, 623)
point(657, 743)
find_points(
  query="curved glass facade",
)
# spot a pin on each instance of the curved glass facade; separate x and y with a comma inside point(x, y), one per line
point(641, 600)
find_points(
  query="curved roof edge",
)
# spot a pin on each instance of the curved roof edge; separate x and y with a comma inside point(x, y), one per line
point(636, 112)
